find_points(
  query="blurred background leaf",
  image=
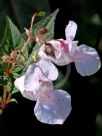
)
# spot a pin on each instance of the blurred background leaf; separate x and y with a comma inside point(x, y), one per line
point(21, 11)
point(99, 125)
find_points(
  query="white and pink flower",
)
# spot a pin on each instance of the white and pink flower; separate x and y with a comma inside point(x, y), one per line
point(86, 59)
point(53, 105)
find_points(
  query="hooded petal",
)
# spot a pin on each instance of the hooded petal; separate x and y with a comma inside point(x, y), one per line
point(88, 61)
point(55, 107)
point(44, 70)
point(32, 81)
point(48, 69)
point(19, 84)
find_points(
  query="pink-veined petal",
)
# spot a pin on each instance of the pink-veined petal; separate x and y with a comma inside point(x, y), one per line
point(60, 59)
point(88, 61)
point(60, 45)
point(55, 109)
point(19, 84)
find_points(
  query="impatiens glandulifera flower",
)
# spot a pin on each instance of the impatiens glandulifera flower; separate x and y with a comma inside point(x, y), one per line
point(86, 59)
point(52, 106)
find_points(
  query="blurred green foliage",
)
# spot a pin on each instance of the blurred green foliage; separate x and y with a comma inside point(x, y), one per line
point(21, 11)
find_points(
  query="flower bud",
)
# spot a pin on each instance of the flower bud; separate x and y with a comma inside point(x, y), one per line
point(13, 54)
point(6, 58)
point(42, 31)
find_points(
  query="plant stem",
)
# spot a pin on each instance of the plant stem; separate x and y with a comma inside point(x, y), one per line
point(8, 98)
point(32, 21)
point(4, 94)
point(25, 45)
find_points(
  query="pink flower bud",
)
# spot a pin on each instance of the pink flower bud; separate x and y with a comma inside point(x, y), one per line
point(42, 31)
point(6, 58)
point(13, 54)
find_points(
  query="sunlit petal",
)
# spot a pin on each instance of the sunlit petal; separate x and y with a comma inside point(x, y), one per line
point(19, 84)
point(88, 61)
point(54, 108)
point(32, 78)
point(48, 69)
point(70, 30)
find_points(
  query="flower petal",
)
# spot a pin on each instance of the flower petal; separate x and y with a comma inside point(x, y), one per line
point(55, 109)
point(60, 59)
point(48, 69)
point(60, 45)
point(70, 30)
point(88, 62)
point(19, 84)
point(44, 70)
point(32, 78)
point(45, 86)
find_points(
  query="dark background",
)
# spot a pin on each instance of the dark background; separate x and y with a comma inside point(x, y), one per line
point(86, 92)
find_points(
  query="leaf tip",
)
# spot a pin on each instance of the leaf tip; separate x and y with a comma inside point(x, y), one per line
point(55, 12)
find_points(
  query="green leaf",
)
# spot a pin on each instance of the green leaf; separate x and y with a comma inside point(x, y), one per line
point(15, 90)
point(17, 69)
point(0, 98)
point(12, 39)
point(15, 75)
point(1, 111)
point(13, 100)
point(3, 67)
point(47, 22)
point(10, 87)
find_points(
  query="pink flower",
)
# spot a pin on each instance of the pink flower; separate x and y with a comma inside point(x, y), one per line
point(53, 105)
point(86, 59)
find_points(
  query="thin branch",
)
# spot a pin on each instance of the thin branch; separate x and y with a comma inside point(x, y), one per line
point(4, 93)
point(32, 21)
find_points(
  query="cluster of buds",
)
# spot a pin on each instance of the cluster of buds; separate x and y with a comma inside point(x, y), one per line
point(12, 58)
